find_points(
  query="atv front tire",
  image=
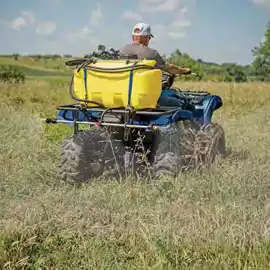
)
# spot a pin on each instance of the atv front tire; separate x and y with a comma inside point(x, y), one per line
point(87, 154)
point(215, 142)
point(201, 145)
point(186, 146)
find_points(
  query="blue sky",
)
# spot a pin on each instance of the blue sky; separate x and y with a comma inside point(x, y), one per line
point(214, 30)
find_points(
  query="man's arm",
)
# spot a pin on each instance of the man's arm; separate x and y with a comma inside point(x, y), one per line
point(171, 68)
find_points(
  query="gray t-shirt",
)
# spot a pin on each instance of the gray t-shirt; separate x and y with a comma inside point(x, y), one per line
point(143, 53)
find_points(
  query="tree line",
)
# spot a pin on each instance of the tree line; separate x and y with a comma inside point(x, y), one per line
point(259, 70)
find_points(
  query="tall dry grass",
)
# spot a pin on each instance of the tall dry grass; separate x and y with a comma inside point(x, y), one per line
point(218, 219)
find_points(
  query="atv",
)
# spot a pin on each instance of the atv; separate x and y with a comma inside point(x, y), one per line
point(134, 121)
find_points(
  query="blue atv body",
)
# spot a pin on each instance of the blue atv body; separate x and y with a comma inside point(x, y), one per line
point(197, 106)
point(160, 140)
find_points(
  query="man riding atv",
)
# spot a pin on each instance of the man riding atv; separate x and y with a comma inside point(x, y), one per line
point(141, 36)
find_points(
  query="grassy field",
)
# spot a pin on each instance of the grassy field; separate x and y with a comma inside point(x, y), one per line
point(33, 68)
point(39, 64)
point(219, 219)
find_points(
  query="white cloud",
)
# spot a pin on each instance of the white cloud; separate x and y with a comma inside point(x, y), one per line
point(181, 23)
point(131, 15)
point(83, 33)
point(264, 3)
point(45, 28)
point(158, 29)
point(174, 31)
point(160, 36)
point(26, 18)
point(18, 23)
point(184, 10)
point(177, 35)
point(29, 17)
point(160, 5)
point(96, 15)
point(154, 1)
point(83, 41)
point(55, 3)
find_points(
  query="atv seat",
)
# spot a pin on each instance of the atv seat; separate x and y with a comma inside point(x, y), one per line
point(118, 84)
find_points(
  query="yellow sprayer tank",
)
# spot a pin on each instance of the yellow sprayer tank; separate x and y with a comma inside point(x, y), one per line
point(108, 83)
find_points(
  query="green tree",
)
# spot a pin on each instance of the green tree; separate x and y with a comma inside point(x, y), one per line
point(261, 63)
point(235, 73)
point(101, 48)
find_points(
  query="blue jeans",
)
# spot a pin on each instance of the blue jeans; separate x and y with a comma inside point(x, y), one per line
point(170, 98)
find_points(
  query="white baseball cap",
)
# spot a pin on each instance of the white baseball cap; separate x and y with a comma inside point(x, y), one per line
point(145, 30)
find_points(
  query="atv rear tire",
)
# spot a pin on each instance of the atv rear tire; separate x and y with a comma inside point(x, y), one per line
point(167, 153)
point(87, 154)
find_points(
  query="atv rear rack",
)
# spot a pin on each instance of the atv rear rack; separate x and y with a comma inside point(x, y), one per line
point(155, 111)
point(55, 121)
point(127, 113)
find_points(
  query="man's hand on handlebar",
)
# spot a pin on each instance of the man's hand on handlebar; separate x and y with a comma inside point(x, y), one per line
point(173, 69)
point(185, 71)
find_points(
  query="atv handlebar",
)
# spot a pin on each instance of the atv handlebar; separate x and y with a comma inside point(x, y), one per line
point(173, 75)
point(168, 78)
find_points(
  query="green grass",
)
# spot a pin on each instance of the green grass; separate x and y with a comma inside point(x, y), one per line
point(36, 72)
point(41, 64)
point(52, 78)
point(38, 68)
point(218, 219)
